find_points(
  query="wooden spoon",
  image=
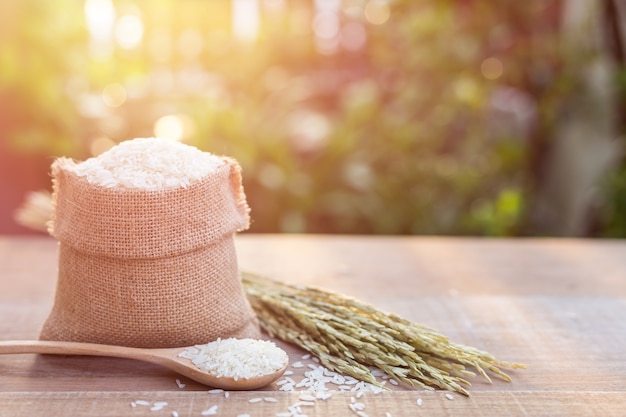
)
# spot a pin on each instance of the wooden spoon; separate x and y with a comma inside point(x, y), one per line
point(165, 357)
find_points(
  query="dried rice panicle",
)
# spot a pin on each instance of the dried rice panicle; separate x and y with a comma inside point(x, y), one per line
point(351, 337)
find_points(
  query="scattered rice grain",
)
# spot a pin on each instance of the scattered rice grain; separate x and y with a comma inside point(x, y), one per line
point(324, 395)
point(419, 402)
point(359, 406)
point(216, 391)
point(210, 411)
point(305, 396)
point(174, 413)
point(255, 400)
point(449, 396)
point(287, 388)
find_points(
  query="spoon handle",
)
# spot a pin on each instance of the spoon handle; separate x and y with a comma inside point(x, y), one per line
point(67, 348)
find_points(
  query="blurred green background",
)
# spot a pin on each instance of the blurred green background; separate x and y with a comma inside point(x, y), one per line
point(468, 117)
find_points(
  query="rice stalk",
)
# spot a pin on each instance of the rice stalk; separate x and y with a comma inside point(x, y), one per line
point(351, 337)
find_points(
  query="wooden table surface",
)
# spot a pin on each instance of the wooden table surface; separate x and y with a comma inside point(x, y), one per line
point(558, 306)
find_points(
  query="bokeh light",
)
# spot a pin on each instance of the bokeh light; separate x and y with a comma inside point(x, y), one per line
point(326, 25)
point(129, 31)
point(245, 16)
point(100, 19)
point(353, 36)
point(309, 130)
point(492, 68)
point(114, 95)
point(377, 12)
point(467, 90)
point(174, 126)
point(272, 176)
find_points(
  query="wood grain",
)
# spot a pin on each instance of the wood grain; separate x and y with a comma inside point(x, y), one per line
point(556, 305)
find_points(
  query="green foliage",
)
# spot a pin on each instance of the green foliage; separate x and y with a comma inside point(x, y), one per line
point(401, 137)
point(614, 218)
point(41, 48)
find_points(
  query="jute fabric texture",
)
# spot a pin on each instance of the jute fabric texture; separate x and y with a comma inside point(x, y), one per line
point(147, 268)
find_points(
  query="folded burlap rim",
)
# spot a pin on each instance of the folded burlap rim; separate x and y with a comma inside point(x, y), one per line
point(135, 223)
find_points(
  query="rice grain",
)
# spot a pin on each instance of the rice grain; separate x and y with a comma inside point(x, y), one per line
point(169, 164)
point(237, 358)
point(305, 396)
point(210, 411)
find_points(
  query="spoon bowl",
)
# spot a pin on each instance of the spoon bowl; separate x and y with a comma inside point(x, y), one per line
point(167, 358)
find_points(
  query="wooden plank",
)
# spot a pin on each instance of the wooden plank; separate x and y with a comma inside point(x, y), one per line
point(396, 266)
point(557, 305)
point(401, 404)
point(590, 358)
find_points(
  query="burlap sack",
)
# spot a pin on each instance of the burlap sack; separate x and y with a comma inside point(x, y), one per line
point(149, 268)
